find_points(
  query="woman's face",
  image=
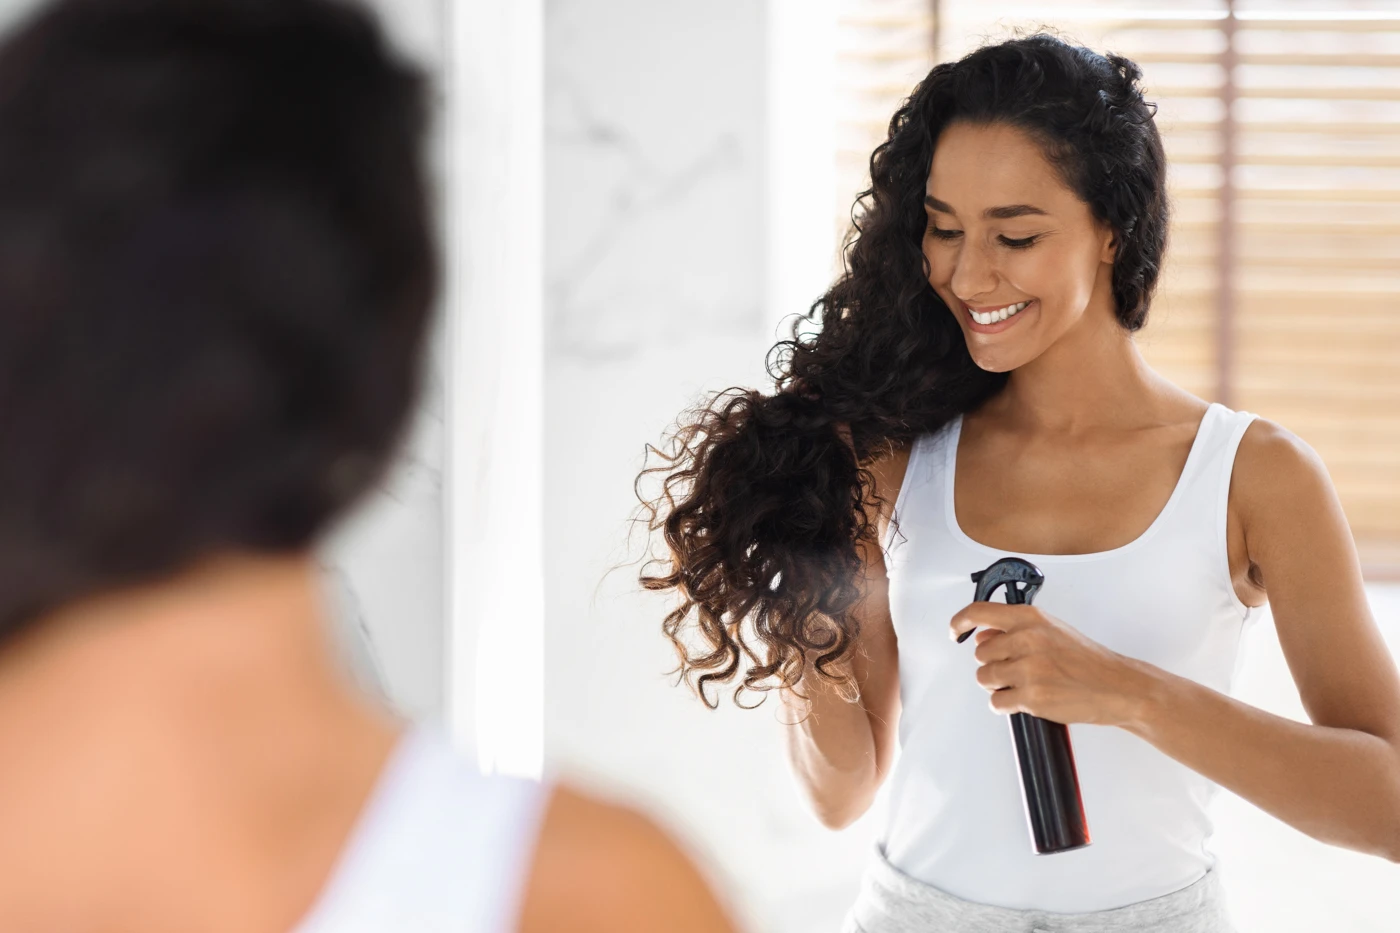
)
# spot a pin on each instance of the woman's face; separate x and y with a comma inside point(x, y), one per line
point(1003, 229)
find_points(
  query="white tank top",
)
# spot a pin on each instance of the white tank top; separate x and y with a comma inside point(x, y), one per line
point(955, 816)
point(438, 848)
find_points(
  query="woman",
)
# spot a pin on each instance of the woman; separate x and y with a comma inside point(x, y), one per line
point(216, 269)
point(974, 392)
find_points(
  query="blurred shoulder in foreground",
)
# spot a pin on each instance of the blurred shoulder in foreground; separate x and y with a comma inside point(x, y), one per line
point(601, 866)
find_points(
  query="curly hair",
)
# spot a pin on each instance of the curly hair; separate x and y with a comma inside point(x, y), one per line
point(763, 505)
point(217, 267)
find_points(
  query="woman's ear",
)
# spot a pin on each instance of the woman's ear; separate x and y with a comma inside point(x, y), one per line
point(1110, 248)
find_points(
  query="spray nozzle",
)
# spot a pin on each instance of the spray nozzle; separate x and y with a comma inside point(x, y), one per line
point(1009, 571)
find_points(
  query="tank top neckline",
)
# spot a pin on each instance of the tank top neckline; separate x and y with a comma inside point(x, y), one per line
point(949, 486)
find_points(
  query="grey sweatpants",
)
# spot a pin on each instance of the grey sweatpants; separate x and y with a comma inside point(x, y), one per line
point(892, 902)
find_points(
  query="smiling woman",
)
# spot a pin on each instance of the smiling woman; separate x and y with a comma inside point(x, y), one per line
point(974, 391)
point(982, 266)
point(764, 509)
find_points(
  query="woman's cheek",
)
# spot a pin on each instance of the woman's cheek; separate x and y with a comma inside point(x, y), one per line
point(1038, 276)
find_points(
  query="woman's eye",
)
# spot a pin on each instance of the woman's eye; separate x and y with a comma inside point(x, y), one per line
point(935, 231)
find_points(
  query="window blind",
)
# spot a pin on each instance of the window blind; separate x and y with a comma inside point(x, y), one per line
point(883, 48)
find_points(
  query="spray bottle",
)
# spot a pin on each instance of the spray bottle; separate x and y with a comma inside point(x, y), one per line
point(1049, 781)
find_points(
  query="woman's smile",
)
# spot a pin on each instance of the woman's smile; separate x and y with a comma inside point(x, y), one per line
point(998, 326)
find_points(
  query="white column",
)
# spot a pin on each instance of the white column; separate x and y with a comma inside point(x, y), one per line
point(494, 477)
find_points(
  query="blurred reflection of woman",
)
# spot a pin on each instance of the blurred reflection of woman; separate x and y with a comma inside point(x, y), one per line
point(974, 391)
point(217, 264)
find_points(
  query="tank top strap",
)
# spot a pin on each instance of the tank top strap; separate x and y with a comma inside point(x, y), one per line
point(1205, 490)
point(922, 482)
point(1193, 499)
point(1202, 513)
point(439, 847)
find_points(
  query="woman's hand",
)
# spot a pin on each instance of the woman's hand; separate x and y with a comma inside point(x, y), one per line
point(1034, 663)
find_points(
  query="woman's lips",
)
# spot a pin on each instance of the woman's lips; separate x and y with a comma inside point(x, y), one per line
point(999, 326)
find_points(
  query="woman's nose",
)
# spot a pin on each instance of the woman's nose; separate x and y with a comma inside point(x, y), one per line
point(973, 273)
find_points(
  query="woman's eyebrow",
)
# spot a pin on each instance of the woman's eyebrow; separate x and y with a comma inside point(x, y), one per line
point(1005, 212)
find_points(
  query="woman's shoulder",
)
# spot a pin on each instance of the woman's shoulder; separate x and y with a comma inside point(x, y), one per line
point(887, 472)
point(889, 467)
point(539, 854)
point(600, 865)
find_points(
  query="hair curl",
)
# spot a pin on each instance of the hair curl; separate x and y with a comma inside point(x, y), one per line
point(762, 508)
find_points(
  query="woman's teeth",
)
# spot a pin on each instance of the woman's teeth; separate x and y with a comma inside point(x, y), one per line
point(1001, 314)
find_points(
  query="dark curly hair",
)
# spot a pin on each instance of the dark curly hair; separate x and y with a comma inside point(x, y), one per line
point(763, 505)
point(217, 264)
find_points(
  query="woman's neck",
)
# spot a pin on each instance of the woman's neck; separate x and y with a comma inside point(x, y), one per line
point(167, 745)
point(1092, 378)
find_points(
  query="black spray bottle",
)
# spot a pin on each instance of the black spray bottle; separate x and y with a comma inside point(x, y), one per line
point(1049, 781)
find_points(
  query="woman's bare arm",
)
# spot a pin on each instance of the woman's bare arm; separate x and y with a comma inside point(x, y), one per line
point(839, 750)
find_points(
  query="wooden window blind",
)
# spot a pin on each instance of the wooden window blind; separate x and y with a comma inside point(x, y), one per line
point(1282, 127)
point(883, 48)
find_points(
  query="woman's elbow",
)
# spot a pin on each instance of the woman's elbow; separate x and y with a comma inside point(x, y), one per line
point(838, 814)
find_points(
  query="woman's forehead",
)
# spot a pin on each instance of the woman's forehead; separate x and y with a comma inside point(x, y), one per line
point(978, 167)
